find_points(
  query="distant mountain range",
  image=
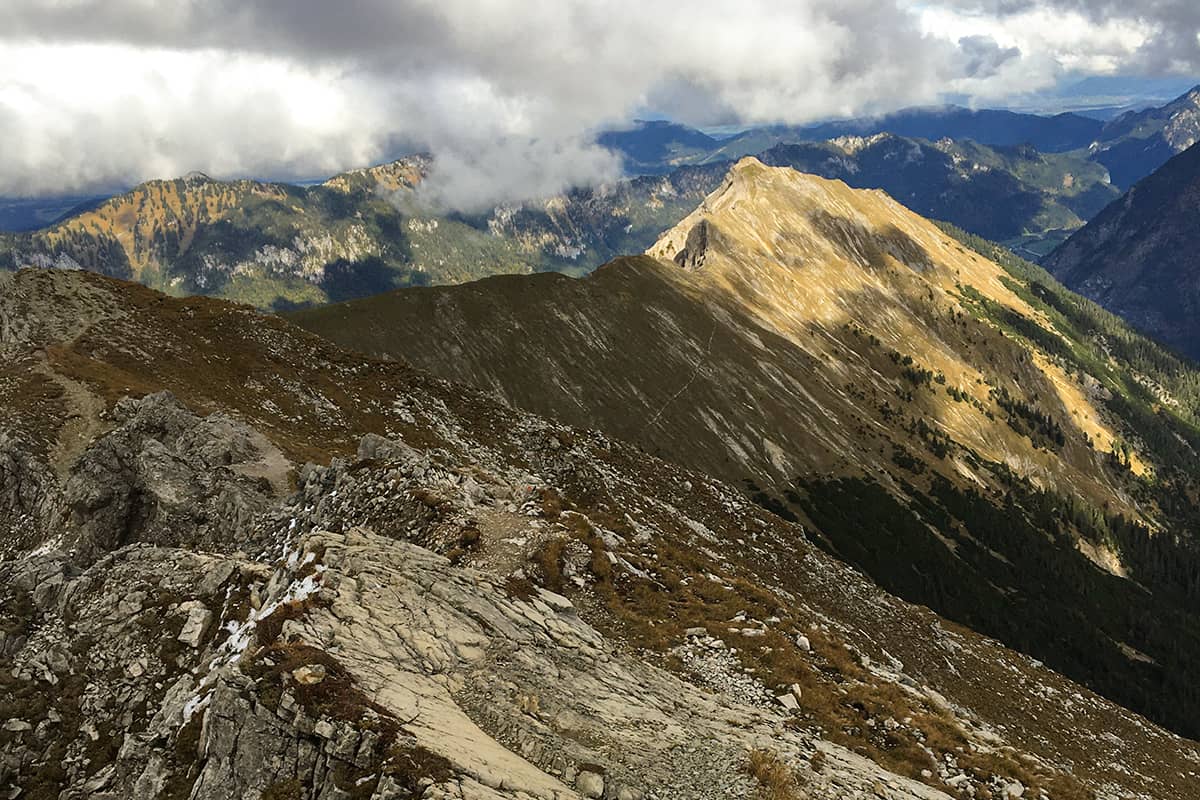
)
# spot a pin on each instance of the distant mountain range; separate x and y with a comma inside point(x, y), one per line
point(652, 146)
point(937, 412)
point(1135, 144)
point(279, 246)
point(1015, 195)
point(1055, 134)
point(1130, 146)
point(1139, 256)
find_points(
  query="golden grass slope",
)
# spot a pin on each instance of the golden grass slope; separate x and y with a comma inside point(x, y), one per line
point(807, 257)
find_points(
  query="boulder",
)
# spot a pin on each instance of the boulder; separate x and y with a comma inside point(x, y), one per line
point(590, 785)
point(194, 626)
point(309, 674)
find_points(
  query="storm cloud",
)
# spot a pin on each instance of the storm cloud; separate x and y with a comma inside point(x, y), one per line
point(506, 94)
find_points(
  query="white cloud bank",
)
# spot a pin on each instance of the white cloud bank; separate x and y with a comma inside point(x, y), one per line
point(505, 93)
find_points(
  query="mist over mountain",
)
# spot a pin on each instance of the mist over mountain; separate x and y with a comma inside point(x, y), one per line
point(504, 96)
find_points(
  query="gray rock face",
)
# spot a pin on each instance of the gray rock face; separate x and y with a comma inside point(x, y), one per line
point(354, 664)
point(27, 494)
point(410, 651)
point(195, 624)
point(350, 663)
point(590, 784)
point(167, 476)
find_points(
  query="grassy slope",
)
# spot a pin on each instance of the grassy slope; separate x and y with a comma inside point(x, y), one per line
point(314, 401)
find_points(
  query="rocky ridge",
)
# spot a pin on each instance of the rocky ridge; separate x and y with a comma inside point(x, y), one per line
point(456, 572)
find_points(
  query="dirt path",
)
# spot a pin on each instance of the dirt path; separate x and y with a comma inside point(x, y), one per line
point(84, 422)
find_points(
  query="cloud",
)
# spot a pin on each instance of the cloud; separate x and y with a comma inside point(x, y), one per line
point(506, 94)
point(983, 56)
point(1145, 37)
point(84, 117)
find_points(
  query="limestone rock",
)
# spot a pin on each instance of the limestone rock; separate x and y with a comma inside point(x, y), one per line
point(590, 784)
point(309, 674)
point(168, 476)
point(196, 624)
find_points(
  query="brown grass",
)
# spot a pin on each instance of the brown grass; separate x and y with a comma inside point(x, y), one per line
point(775, 778)
point(548, 563)
point(270, 627)
point(849, 704)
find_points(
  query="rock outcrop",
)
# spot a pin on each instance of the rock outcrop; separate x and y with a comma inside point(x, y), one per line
point(164, 474)
point(161, 474)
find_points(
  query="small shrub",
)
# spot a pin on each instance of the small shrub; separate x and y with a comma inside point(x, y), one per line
point(774, 777)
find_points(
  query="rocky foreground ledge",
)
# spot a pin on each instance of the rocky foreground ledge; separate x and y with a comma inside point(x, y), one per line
point(354, 663)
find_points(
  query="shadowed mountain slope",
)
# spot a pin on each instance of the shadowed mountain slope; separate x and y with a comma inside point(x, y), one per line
point(953, 426)
point(656, 146)
point(1138, 257)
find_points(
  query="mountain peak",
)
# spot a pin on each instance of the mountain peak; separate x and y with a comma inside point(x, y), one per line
point(747, 165)
point(391, 176)
point(763, 216)
point(1192, 96)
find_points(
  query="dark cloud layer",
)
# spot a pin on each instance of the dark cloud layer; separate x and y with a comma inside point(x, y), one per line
point(505, 93)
